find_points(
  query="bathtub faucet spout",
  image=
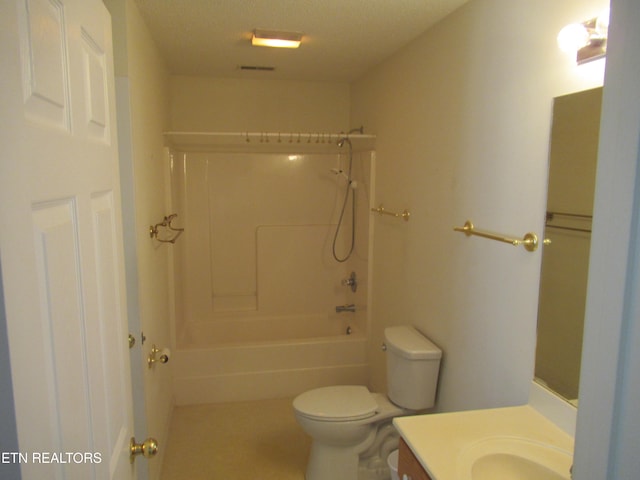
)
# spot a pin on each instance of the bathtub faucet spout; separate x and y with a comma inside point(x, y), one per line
point(346, 308)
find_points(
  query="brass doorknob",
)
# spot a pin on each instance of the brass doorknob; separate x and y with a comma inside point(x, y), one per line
point(147, 449)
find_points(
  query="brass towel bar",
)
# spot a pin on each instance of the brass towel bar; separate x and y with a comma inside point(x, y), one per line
point(529, 241)
point(381, 210)
point(153, 229)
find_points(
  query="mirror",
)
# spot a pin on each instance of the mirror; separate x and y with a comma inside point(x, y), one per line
point(563, 281)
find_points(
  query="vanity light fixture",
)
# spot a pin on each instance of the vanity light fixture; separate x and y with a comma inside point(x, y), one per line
point(586, 40)
point(269, 38)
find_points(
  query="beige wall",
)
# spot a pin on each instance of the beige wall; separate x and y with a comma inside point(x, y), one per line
point(201, 104)
point(462, 116)
point(149, 108)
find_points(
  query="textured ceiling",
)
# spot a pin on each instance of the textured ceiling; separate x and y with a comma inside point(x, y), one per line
point(342, 38)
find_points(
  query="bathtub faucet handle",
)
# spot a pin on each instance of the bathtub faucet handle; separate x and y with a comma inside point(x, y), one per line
point(351, 281)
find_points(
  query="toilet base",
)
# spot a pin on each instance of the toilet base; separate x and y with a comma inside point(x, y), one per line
point(352, 450)
point(373, 462)
point(366, 461)
point(331, 463)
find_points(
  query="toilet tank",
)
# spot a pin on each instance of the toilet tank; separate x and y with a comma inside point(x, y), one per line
point(413, 363)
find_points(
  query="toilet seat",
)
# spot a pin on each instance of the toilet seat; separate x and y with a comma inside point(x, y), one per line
point(336, 403)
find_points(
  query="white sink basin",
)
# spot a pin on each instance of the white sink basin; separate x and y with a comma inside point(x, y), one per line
point(509, 443)
point(513, 458)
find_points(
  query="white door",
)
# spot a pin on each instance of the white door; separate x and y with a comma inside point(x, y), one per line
point(61, 242)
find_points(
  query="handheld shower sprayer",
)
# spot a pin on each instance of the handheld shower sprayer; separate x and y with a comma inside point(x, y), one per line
point(350, 190)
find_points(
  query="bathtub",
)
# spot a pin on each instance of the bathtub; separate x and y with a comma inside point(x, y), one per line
point(251, 357)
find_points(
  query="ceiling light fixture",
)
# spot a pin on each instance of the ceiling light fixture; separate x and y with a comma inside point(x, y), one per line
point(269, 38)
point(586, 40)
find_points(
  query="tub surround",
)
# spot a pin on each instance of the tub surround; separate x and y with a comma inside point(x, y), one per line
point(439, 441)
point(254, 217)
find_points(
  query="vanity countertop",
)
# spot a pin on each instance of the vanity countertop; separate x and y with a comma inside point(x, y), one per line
point(438, 440)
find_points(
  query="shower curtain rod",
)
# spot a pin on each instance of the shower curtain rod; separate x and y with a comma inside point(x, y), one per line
point(292, 142)
point(279, 137)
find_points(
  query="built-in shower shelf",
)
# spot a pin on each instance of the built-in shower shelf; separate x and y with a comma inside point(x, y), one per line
point(279, 142)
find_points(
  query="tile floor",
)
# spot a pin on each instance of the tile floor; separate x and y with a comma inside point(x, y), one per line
point(258, 440)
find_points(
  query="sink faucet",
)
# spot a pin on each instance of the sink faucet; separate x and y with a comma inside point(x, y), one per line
point(346, 308)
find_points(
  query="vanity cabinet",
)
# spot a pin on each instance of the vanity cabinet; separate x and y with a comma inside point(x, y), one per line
point(409, 465)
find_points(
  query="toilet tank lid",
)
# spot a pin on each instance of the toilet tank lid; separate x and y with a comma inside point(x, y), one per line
point(409, 343)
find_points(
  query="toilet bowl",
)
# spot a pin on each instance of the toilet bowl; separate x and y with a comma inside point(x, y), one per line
point(343, 422)
point(349, 424)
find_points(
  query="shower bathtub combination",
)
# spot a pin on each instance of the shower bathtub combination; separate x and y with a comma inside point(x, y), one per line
point(261, 271)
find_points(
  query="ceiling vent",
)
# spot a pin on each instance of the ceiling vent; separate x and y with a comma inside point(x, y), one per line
point(257, 68)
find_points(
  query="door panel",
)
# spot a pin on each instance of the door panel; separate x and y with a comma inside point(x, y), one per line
point(44, 61)
point(62, 387)
point(110, 331)
point(61, 240)
point(94, 70)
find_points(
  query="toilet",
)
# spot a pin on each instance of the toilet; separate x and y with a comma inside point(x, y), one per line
point(351, 426)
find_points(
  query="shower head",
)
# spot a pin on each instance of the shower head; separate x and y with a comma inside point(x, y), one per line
point(345, 137)
point(342, 140)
